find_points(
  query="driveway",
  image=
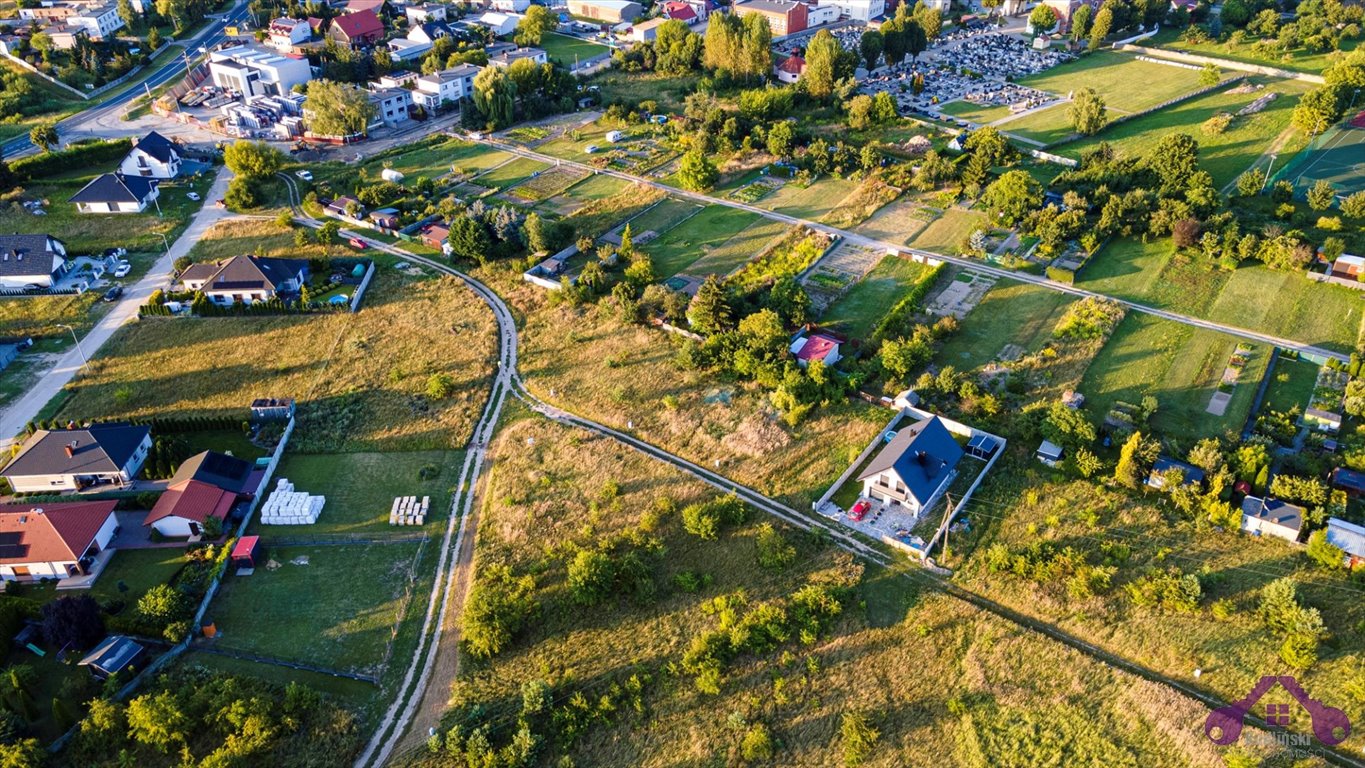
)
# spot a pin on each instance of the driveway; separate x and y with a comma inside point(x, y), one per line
point(26, 408)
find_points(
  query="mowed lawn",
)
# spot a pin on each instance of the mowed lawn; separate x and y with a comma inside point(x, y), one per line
point(1127, 83)
point(1181, 366)
point(1126, 268)
point(338, 611)
point(1046, 125)
point(593, 188)
point(1021, 314)
point(975, 113)
point(812, 202)
point(946, 233)
point(510, 174)
point(1224, 155)
point(696, 237)
point(132, 572)
point(738, 250)
point(435, 157)
point(1288, 304)
point(896, 222)
point(669, 213)
point(859, 310)
point(563, 48)
point(1291, 384)
point(360, 488)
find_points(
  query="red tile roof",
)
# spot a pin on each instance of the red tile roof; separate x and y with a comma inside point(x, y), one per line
point(359, 25)
point(794, 65)
point(192, 500)
point(817, 347)
point(60, 532)
point(680, 11)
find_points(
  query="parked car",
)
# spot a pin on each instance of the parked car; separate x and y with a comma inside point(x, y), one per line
point(114, 293)
point(591, 149)
point(859, 510)
point(305, 175)
point(123, 269)
point(358, 244)
point(193, 196)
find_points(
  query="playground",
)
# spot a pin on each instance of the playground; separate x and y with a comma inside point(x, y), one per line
point(1337, 156)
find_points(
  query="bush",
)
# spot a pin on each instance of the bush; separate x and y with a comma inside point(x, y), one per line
point(757, 743)
point(1061, 275)
point(78, 157)
point(773, 550)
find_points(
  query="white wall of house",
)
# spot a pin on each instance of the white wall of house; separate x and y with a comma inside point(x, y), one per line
point(228, 298)
point(36, 571)
point(139, 163)
point(1256, 525)
point(119, 207)
point(173, 527)
point(106, 532)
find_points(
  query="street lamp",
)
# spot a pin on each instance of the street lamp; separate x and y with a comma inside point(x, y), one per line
point(84, 360)
point(165, 242)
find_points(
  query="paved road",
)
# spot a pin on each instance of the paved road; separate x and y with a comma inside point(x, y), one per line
point(208, 37)
point(26, 408)
point(972, 264)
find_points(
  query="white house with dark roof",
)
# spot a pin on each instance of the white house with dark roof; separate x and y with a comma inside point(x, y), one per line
point(53, 540)
point(508, 58)
point(116, 193)
point(31, 260)
point(205, 486)
point(915, 468)
point(449, 86)
point(1272, 517)
point(71, 459)
point(246, 279)
point(153, 156)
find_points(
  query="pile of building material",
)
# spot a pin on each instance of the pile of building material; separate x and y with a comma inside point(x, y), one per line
point(407, 510)
point(289, 507)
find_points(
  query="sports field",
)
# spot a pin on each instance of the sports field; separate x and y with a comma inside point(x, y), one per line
point(1338, 157)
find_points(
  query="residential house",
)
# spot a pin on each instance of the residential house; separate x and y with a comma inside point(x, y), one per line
point(508, 58)
point(1065, 9)
point(153, 156)
point(447, 87)
point(384, 218)
point(419, 40)
point(357, 30)
point(1349, 538)
point(116, 193)
point(246, 279)
point(207, 485)
point(818, 15)
point(647, 31)
point(435, 235)
point(53, 540)
point(610, 11)
point(1272, 517)
point(501, 24)
point(915, 468)
point(1049, 453)
point(32, 260)
point(285, 33)
point(342, 206)
point(113, 655)
point(790, 69)
point(511, 6)
point(1349, 480)
point(272, 409)
point(65, 37)
point(1322, 421)
point(815, 346)
point(681, 11)
point(254, 71)
point(53, 460)
point(858, 10)
point(421, 12)
point(392, 105)
point(377, 7)
point(784, 17)
point(1163, 466)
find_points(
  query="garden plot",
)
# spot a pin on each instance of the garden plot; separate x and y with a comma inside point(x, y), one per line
point(680, 247)
point(733, 254)
point(756, 190)
point(898, 222)
point(546, 184)
point(590, 189)
point(832, 275)
point(1218, 403)
point(958, 297)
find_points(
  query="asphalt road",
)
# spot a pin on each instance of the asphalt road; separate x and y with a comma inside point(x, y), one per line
point(210, 36)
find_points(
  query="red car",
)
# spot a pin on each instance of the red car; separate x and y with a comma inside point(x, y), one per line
point(859, 510)
point(358, 244)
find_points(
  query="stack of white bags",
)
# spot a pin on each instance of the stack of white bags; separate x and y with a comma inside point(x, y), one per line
point(289, 507)
point(407, 510)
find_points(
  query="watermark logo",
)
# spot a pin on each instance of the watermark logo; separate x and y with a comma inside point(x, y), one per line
point(1330, 725)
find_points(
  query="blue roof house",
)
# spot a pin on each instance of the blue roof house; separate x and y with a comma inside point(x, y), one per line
point(915, 468)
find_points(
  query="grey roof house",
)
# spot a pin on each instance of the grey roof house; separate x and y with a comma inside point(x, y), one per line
point(116, 193)
point(1272, 517)
point(31, 260)
point(71, 459)
point(246, 278)
point(914, 468)
point(113, 655)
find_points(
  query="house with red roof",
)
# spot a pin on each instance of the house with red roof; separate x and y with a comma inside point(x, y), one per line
point(205, 486)
point(357, 29)
point(54, 540)
point(816, 346)
point(676, 9)
point(789, 69)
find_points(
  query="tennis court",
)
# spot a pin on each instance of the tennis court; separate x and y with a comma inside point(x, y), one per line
point(1338, 157)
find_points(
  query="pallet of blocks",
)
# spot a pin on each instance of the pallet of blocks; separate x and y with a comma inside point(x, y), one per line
point(407, 510)
point(287, 506)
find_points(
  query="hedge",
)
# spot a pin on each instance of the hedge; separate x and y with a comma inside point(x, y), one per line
point(1061, 275)
point(80, 157)
point(901, 312)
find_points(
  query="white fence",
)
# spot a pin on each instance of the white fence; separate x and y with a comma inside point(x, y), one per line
point(360, 290)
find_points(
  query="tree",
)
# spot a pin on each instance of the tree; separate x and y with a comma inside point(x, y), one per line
point(929, 20)
point(1080, 23)
point(1210, 74)
point(1249, 184)
point(162, 603)
point(1043, 18)
point(774, 552)
point(1317, 110)
point(1133, 458)
point(1354, 205)
point(253, 159)
point(499, 604)
point(469, 239)
point(1067, 426)
point(1100, 30)
point(1175, 160)
point(44, 136)
point(127, 13)
point(1012, 196)
point(158, 721)
point(73, 621)
point(858, 736)
point(25, 753)
point(782, 139)
point(871, 46)
point(340, 109)
point(1321, 195)
point(241, 195)
point(591, 574)
point(1087, 110)
point(822, 61)
point(696, 172)
point(536, 22)
point(709, 311)
point(757, 744)
point(1324, 552)
point(915, 38)
point(154, 40)
point(329, 232)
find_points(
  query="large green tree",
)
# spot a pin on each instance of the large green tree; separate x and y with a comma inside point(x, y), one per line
point(252, 159)
point(536, 22)
point(338, 109)
point(1100, 29)
point(1013, 195)
point(822, 61)
point(696, 172)
point(1087, 110)
point(495, 96)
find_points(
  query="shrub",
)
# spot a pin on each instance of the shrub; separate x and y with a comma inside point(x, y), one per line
point(773, 550)
point(1061, 275)
point(757, 743)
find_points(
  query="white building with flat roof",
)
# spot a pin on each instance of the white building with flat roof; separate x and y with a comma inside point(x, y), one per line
point(449, 86)
point(255, 71)
point(861, 10)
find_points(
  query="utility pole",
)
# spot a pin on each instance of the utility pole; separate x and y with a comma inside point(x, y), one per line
point(947, 516)
point(84, 360)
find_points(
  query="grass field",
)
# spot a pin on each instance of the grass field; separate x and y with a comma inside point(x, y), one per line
point(510, 174)
point(813, 202)
point(360, 489)
point(361, 379)
point(1179, 365)
point(1126, 268)
point(1291, 385)
point(670, 91)
point(1224, 155)
point(564, 49)
point(946, 233)
point(132, 572)
point(669, 213)
point(40, 316)
point(1021, 314)
point(859, 310)
point(595, 187)
point(738, 250)
point(1298, 59)
point(1047, 126)
point(1290, 305)
point(696, 237)
point(975, 113)
point(896, 223)
point(1128, 84)
point(353, 597)
point(432, 157)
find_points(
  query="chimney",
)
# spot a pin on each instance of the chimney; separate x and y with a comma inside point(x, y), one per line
point(70, 449)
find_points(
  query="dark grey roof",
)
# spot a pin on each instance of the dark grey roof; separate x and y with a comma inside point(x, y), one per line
point(115, 188)
point(921, 455)
point(101, 448)
point(227, 472)
point(1274, 511)
point(158, 146)
point(22, 255)
point(113, 654)
point(254, 273)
